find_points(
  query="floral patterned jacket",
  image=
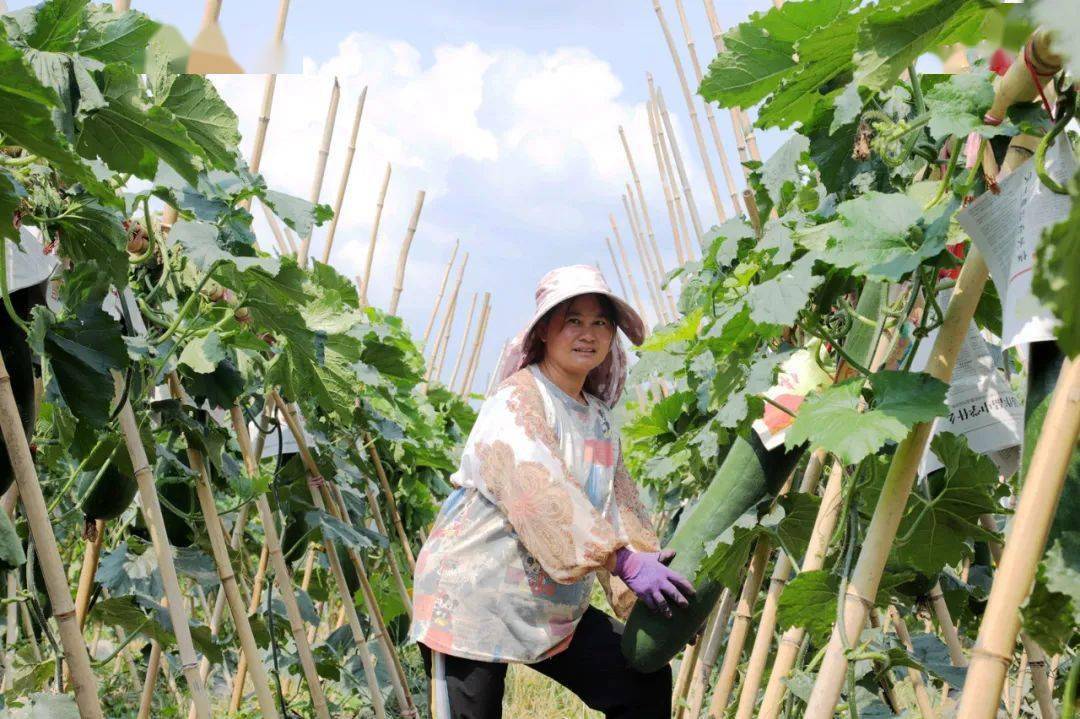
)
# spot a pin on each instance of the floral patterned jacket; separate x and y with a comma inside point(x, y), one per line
point(541, 500)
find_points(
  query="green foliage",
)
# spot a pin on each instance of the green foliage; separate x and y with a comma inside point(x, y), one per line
point(899, 400)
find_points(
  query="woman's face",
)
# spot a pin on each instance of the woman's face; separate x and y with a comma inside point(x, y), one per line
point(578, 336)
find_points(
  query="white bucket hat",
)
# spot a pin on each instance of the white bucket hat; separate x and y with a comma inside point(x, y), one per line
point(563, 283)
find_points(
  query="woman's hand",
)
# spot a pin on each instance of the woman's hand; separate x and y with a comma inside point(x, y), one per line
point(648, 576)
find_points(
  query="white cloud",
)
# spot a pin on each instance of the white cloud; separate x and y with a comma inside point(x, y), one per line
point(506, 143)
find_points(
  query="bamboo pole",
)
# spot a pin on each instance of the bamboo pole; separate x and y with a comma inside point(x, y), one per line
point(374, 237)
point(253, 607)
point(275, 230)
point(403, 256)
point(153, 668)
point(648, 259)
point(391, 503)
point(320, 165)
point(83, 682)
point(643, 258)
point(788, 648)
point(686, 673)
point(615, 264)
point(282, 576)
point(1039, 497)
point(1036, 656)
point(91, 555)
point(692, 109)
point(714, 637)
point(444, 344)
point(918, 683)
point(335, 565)
point(464, 342)
point(319, 493)
point(395, 569)
point(759, 654)
point(439, 296)
point(863, 585)
point(478, 341)
point(710, 117)
point(740, 627)
point(333, 497)
point(736, 113)
point(220, 552)
point(657, 258)
point(120, 6)
point(151, 509)
point(626, 265)
point(677, 230)
point(688, 193)
point(948, 629)
point(666, 153)
point(1019, 695)
point(444, 327)
point(471, 376)
point(345, 171)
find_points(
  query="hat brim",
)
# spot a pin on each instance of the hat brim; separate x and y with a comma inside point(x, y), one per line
point(626, 317)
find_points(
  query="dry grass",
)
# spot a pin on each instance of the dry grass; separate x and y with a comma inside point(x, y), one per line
point(530, 695)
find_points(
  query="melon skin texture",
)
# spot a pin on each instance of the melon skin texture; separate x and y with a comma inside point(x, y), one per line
point(109, 498)
point(749, 474)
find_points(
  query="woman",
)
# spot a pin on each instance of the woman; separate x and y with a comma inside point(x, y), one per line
point(542, 503)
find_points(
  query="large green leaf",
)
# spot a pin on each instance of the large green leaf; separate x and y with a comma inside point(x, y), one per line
point(936, 530)
point(27, 118)
point(51, 26)
point(759, 53)
point(11, 194)
point(752, 67)
point(83, 351)
point(809, 601)
point(92, 234)
point(196, 104)
point(301, 215)
point(202, 243)
point(780, 173)
point(832, 419)
point(131, 136)
point(878, 238)
point(1056, 278)
point(824, 57)
point(779, 299)
point(112, 37)
point(897, 32)
point(957, 106)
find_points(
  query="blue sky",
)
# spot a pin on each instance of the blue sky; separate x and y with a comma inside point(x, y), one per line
point(506, 113)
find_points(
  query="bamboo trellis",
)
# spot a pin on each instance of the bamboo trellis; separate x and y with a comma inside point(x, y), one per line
point(1044, 480)
point(366, 280)
point(863, 584)
point(345, 171)
point(652, 280)
point(478, 343)
point(464, 341)
point(744, 132)
point(679, 231)
point(320, 164)
point(615, 266)
point(439, 295)
point(442, 337)
point(656, 258)
point(710, 116)
point(403, 255)
point(638, 304)
point(687, 192)
point(691, 108)
point(84, 684)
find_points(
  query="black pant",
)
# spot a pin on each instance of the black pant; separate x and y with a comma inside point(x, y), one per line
point(592, 667)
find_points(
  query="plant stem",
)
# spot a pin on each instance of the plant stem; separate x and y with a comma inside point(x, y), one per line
point(4, 290)
point(188, 305)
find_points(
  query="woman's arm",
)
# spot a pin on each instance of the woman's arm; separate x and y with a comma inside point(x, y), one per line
point(513, 459)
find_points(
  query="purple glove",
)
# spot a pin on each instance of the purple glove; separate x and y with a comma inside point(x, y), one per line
point(647, 575)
